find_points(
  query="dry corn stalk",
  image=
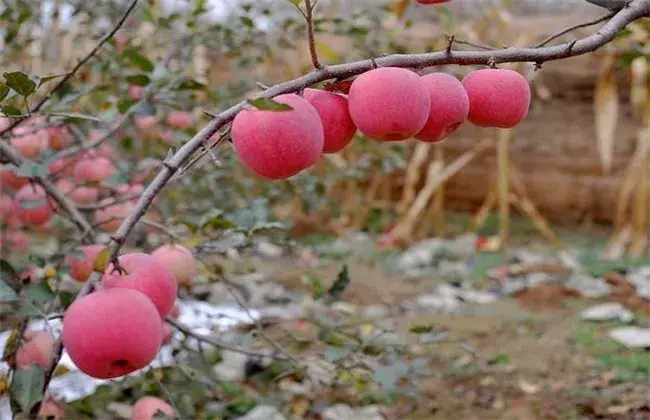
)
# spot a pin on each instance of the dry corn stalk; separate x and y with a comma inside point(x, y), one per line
point(503, 187)
point(436, 175)
point(528, 208)
point(482, 214)
point(437, 207)
point(418, 157)
point(606, 112)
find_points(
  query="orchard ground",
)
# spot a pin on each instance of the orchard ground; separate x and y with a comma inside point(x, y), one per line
point(524, 356)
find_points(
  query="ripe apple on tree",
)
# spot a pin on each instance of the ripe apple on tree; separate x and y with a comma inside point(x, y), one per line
point(112, 332)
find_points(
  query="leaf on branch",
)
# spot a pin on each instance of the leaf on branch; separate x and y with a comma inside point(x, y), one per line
point(4, 90)
point(27, 387)
point(138, 79)
point(7, 294)
point(100, 263)
point(295, 2)
point(11, 111)
point(45, 79)
point(190, 84)
point(73, 116)
point(606, 103)
point(20, 82)
point(266, 104)
point(139, 60)
point(40, 293)
point(216, 220)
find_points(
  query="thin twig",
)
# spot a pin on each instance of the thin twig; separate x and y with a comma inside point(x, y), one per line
point(76, 68)
point(474, 44)
point(259, 328)
point(309, 18)
point(209, 340)
point(573, 28)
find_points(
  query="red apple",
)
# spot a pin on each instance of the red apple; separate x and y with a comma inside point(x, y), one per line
point(146, 274)
point(136, 92)
point(36, 348)
point(180, 119)
point(9, 180)
point(14, 241)
point(31, 206)
point(51, 410)
point(147, 407)
point(27, 142)
point(179, 260)
point(58, 137)
point(93, 170)
point(112, 332)
point(110, 218)
point(82, 268)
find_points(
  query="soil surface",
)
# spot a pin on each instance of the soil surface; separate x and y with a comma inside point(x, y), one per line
point(525, 357)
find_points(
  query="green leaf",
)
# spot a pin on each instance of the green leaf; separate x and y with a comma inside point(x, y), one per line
point(7, 271)
point(216, 220)
point(246, 21)
point(74, 116)
point(421, 329)
point(101, 261)
point(40, 293)
point(266, 104)
point(7, 294)
point(498, 359)
point(295, 2)
point(12, 343)
point(4, 90)
point(315, 285)
point(139, 60)
point(125, 104)
point(45, 79)
point(20, 82)
point(266, 228)
point(11, 111)
point(26, 387)
point(342, 281)
point(241, 406)
point(138, 79)
point(190, 84)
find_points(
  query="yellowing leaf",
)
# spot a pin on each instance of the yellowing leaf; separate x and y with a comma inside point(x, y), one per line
point(400, 7)
point(326, 52)
point(101, 261)
point(606, 103)
point(49, 272)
